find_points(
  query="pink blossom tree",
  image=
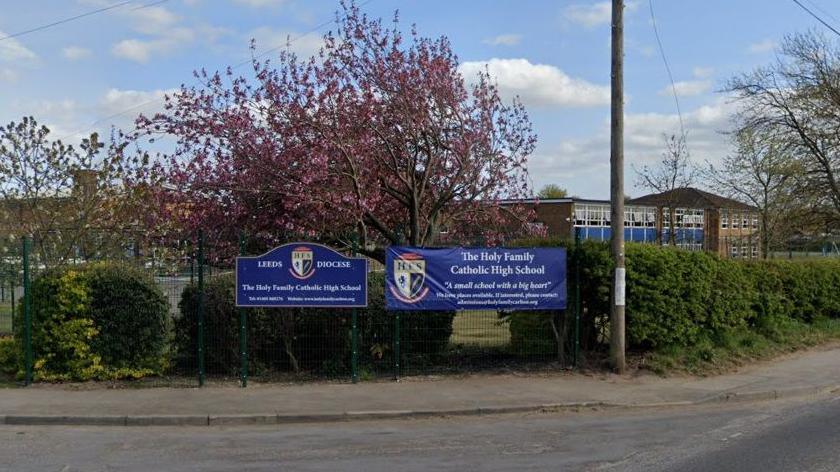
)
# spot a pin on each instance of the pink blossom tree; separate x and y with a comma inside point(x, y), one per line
point(378, 135)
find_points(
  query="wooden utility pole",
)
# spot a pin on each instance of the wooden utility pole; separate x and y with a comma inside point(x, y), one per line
point(617, 338)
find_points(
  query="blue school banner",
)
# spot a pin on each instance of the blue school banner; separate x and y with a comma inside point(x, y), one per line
point(475, 279)
point(301, 275)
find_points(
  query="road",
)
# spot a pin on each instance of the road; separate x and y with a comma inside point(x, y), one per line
point(768, 436)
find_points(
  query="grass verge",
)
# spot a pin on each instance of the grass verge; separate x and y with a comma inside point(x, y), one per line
point(477, 328)
point(739, 347)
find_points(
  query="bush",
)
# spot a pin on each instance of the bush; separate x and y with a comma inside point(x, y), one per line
point(678, 298)
point(301, 339)
point(278, 338)
point(130, 312)
point(532, 333)
point(423, 333)
point(8, 356)
point(96, 321)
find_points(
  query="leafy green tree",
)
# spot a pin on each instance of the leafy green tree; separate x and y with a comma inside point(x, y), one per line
point(552, 191)
point(762, 172)
point(796, 100)
point(71, 201)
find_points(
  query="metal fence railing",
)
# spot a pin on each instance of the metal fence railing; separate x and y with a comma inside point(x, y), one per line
point(209, 340)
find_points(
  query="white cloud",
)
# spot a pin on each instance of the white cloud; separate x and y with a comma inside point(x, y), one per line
point(12, 49)
point(152, 20)
point(164, 32)
point(75, 53)
point(70, 120)
point(687, 88)
point(595, 14)
point(269, 38)
point(8, 75)
point(538, 84)
point(62, 117)
point(116, 100)
point(504, 40)
point(703, 72)
point(261, 3)
point(690, 88)
point(762, 47)
point(138, 50)
point(582, 164)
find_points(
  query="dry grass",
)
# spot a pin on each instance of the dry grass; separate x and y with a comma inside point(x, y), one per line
point(479, 328)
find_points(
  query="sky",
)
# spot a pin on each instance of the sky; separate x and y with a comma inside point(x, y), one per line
point(100, 71)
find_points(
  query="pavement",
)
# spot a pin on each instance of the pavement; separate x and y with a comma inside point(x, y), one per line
point(806, 373)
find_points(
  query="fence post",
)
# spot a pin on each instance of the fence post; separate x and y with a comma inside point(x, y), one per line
point(397, 346)
point(243, 329)
point(27, 315)
point(200, 308)
point(577, 297)
point(354, 334)
point(14, 286)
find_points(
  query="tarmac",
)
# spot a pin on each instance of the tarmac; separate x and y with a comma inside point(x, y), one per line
point(812, 372)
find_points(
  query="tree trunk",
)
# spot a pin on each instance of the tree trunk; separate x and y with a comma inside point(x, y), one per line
point(287, 346)
point(559, 336)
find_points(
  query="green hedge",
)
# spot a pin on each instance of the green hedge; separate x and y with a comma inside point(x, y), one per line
point(96, 321)
point(276, 337)
point(681, 298)
point(8, 356)
point(532, 332)
point(302, 339)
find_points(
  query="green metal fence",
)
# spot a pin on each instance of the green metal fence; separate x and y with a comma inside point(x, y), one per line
point(212, 341)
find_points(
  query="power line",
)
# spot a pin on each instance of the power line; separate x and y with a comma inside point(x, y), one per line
point(236, 66)
point(817, 17)
point(82, 15)
point(823, 10)
point(668, 69)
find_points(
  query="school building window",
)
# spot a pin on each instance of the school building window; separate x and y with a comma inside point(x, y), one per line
point(592, 215)
point(639, 217)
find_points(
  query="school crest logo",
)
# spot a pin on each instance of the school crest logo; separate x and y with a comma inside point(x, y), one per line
point(409, 278)
point(303, 263)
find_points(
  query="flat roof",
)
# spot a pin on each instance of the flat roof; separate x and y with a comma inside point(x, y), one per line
point(559, 200)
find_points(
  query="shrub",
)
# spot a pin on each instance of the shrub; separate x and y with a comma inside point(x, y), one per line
point(423, 333)
point(130, 312)
point(678, 298)
point(312, 339)
point(278, 338)
point(8, 356)
point(95, 321)
point(532, 333)
point(220, 320)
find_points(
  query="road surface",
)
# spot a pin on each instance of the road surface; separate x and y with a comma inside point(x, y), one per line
point(799, 435)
